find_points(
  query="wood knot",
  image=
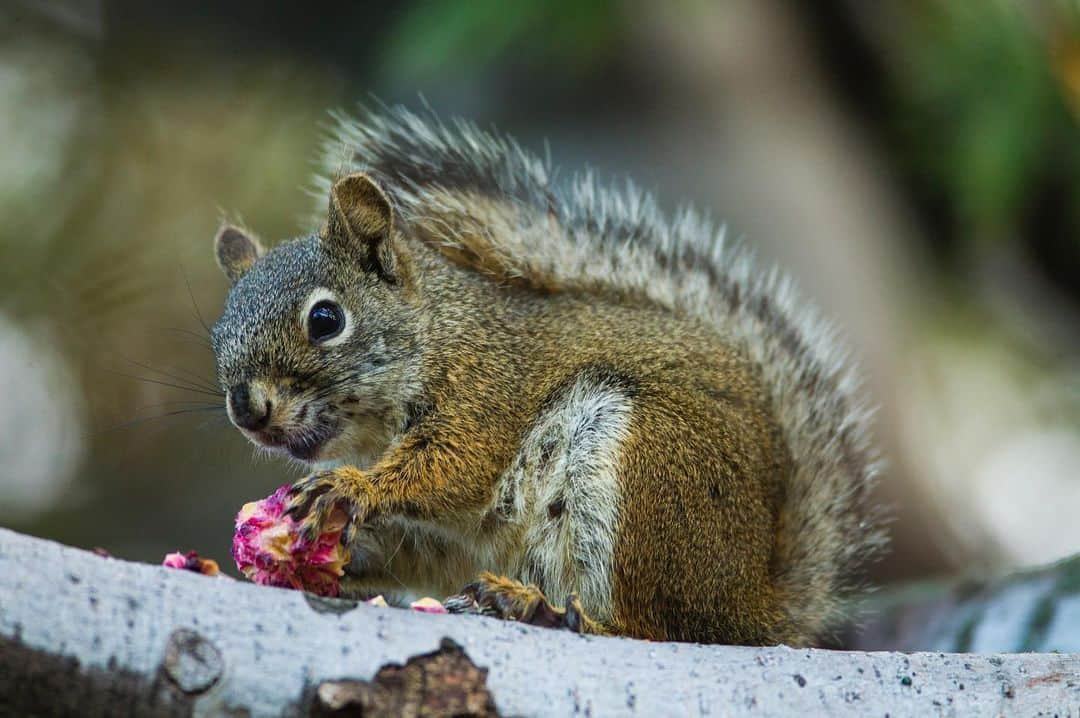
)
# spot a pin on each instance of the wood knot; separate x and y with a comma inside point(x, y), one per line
point(191, 662)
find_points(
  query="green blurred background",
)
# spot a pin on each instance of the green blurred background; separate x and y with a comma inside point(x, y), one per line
point(914, 163)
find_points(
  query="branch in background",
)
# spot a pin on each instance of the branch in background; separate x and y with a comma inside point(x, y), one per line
point(1034, 610)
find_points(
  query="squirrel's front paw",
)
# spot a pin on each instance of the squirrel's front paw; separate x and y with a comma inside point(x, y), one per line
point(314, 499)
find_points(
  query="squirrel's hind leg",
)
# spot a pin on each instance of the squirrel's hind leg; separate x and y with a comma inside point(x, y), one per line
point(511, 600)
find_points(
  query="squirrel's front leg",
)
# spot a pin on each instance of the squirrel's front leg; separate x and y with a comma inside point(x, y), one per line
point(421, 479)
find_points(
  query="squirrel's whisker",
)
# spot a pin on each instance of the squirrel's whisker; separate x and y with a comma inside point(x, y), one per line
point(195, 304)
point(193, 383)
point(149, 380)
point(193, 378)
point(136, 422)
point(189, 377)
point(189, 404)
point(200, 339)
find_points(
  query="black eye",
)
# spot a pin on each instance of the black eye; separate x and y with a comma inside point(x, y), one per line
point(325, 321)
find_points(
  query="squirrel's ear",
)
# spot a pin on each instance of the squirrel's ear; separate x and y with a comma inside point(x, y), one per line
point(236, 251)
point(359, 223)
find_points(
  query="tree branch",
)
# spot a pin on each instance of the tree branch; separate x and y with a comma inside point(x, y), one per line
point(84, 635)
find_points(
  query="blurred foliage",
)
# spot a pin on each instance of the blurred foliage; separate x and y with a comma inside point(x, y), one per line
point(447, 37)
point(989, 104)
point(124, 161)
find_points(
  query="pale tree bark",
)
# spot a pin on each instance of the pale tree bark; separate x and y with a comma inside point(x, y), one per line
point(88, 636)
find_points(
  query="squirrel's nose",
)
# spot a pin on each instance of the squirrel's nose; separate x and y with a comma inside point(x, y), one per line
point(248, 412)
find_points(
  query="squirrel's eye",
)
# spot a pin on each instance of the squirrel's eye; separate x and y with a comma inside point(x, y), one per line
point(325, 321)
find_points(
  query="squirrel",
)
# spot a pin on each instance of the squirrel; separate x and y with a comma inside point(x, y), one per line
point(547, 400)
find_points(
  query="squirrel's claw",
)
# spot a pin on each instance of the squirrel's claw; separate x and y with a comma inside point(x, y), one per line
point(498, 596)
point(303, 494)
point(317, 500)
point(348, 536)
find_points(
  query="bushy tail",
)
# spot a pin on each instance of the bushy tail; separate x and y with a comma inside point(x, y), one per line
point(454, 183)
point(827, 530)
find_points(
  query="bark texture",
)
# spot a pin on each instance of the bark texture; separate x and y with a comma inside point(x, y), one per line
point(90, 636)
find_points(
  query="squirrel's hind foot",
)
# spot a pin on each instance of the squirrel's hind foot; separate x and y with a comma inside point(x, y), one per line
point(511, 600)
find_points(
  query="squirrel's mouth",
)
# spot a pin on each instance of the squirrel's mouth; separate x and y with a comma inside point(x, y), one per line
point(303, 444)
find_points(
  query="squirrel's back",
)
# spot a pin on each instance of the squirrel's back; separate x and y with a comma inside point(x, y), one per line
point(488, 204)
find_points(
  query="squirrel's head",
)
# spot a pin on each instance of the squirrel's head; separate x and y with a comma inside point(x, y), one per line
point(318, 342)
